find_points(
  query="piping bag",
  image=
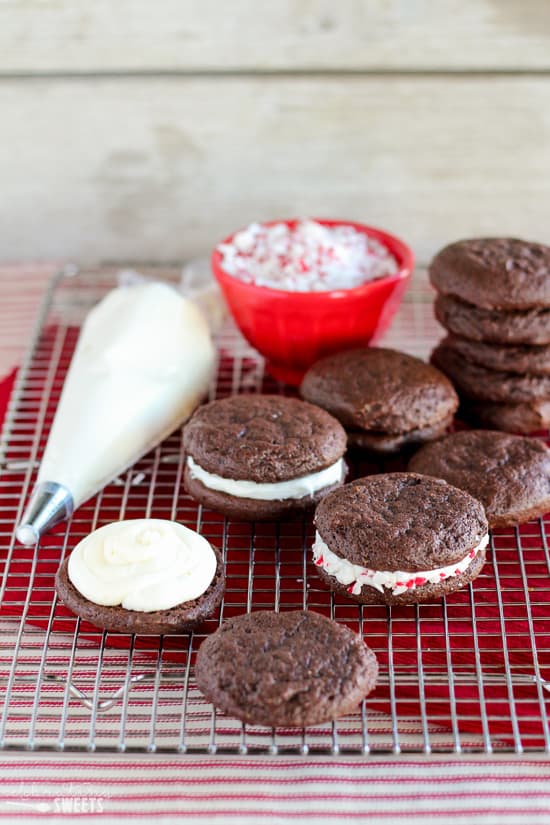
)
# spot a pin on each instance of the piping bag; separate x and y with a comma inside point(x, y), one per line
point(143, 362)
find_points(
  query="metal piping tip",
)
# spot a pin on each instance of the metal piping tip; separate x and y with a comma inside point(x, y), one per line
point(50, 503)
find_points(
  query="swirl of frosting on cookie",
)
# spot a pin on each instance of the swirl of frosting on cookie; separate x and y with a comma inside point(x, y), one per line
point(142, 564)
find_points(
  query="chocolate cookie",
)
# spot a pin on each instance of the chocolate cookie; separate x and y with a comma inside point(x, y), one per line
point(179, 619)
point(496, 273)
point(399, 538)
point(509, 474)
point(259, 457)
point(529, 326)
point(386, 443)
point(503, 358)
point(285, 669)
point(482, 384)
point(383, 393)
point(512, 418)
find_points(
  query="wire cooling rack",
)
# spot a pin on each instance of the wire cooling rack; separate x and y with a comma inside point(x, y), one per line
point(464, 674)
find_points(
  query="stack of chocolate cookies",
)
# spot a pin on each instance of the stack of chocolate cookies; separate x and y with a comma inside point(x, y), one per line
point(494, 300)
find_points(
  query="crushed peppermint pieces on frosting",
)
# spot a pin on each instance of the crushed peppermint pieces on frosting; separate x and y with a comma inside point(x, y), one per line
point(308, 257)
point(398, 581)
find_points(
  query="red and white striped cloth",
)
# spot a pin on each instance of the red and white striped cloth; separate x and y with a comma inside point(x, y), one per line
point(275, 790)
point(62, 787)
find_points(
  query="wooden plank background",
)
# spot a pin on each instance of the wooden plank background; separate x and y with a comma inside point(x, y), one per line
point(183, 35)
point(147, 130)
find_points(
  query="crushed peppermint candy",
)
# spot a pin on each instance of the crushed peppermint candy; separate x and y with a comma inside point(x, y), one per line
point(308, 257)
point(353, 576)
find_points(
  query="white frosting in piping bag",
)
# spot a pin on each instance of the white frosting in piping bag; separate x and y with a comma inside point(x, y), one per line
point(142, 564)
point(277, 491)
point(398, 581)
point(143, 362)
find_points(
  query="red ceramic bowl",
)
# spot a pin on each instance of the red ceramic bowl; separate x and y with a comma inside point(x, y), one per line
point(294, 329)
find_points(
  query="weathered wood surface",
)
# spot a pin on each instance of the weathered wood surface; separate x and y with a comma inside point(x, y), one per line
point(187, 35)
point(121, 168)
point(148, 129)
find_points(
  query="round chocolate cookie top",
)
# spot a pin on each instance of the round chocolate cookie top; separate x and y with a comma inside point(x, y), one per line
point(504, 358)
point(484, 384)
point(400, 521)
point(528, 326)
point(509, 474)
point(497, 273)
point(380, 389)
point(285, 669)
point(263, 438)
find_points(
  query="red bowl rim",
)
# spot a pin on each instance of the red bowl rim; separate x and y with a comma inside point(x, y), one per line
point(397, 247)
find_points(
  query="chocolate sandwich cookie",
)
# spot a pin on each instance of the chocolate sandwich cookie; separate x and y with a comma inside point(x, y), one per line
point(384, 398)
point(142, 576)
point(529, 326)
point(509, 474)
point(482, 384)
point(512, 418)
point(285, 669)
point(262, 457)
point(399, 538)
point(503, 358)
point(496, 273)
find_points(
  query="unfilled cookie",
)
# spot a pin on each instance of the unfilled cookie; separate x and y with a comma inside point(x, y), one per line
point(262, 457)
point(529, 326)
point(399, 538)
point(126, 577)
point(482, 384)
point(503, 358)
point(509, 474)
point(383, 393)
point(496, 273)
point(285, 669)
point(386, 443)
point(512, 418)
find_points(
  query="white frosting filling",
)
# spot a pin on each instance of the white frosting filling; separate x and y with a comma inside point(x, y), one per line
point(278, 491)
point(398, 581)
point(142, 564)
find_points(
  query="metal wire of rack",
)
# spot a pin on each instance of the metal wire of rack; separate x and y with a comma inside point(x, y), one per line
point(467, 674)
